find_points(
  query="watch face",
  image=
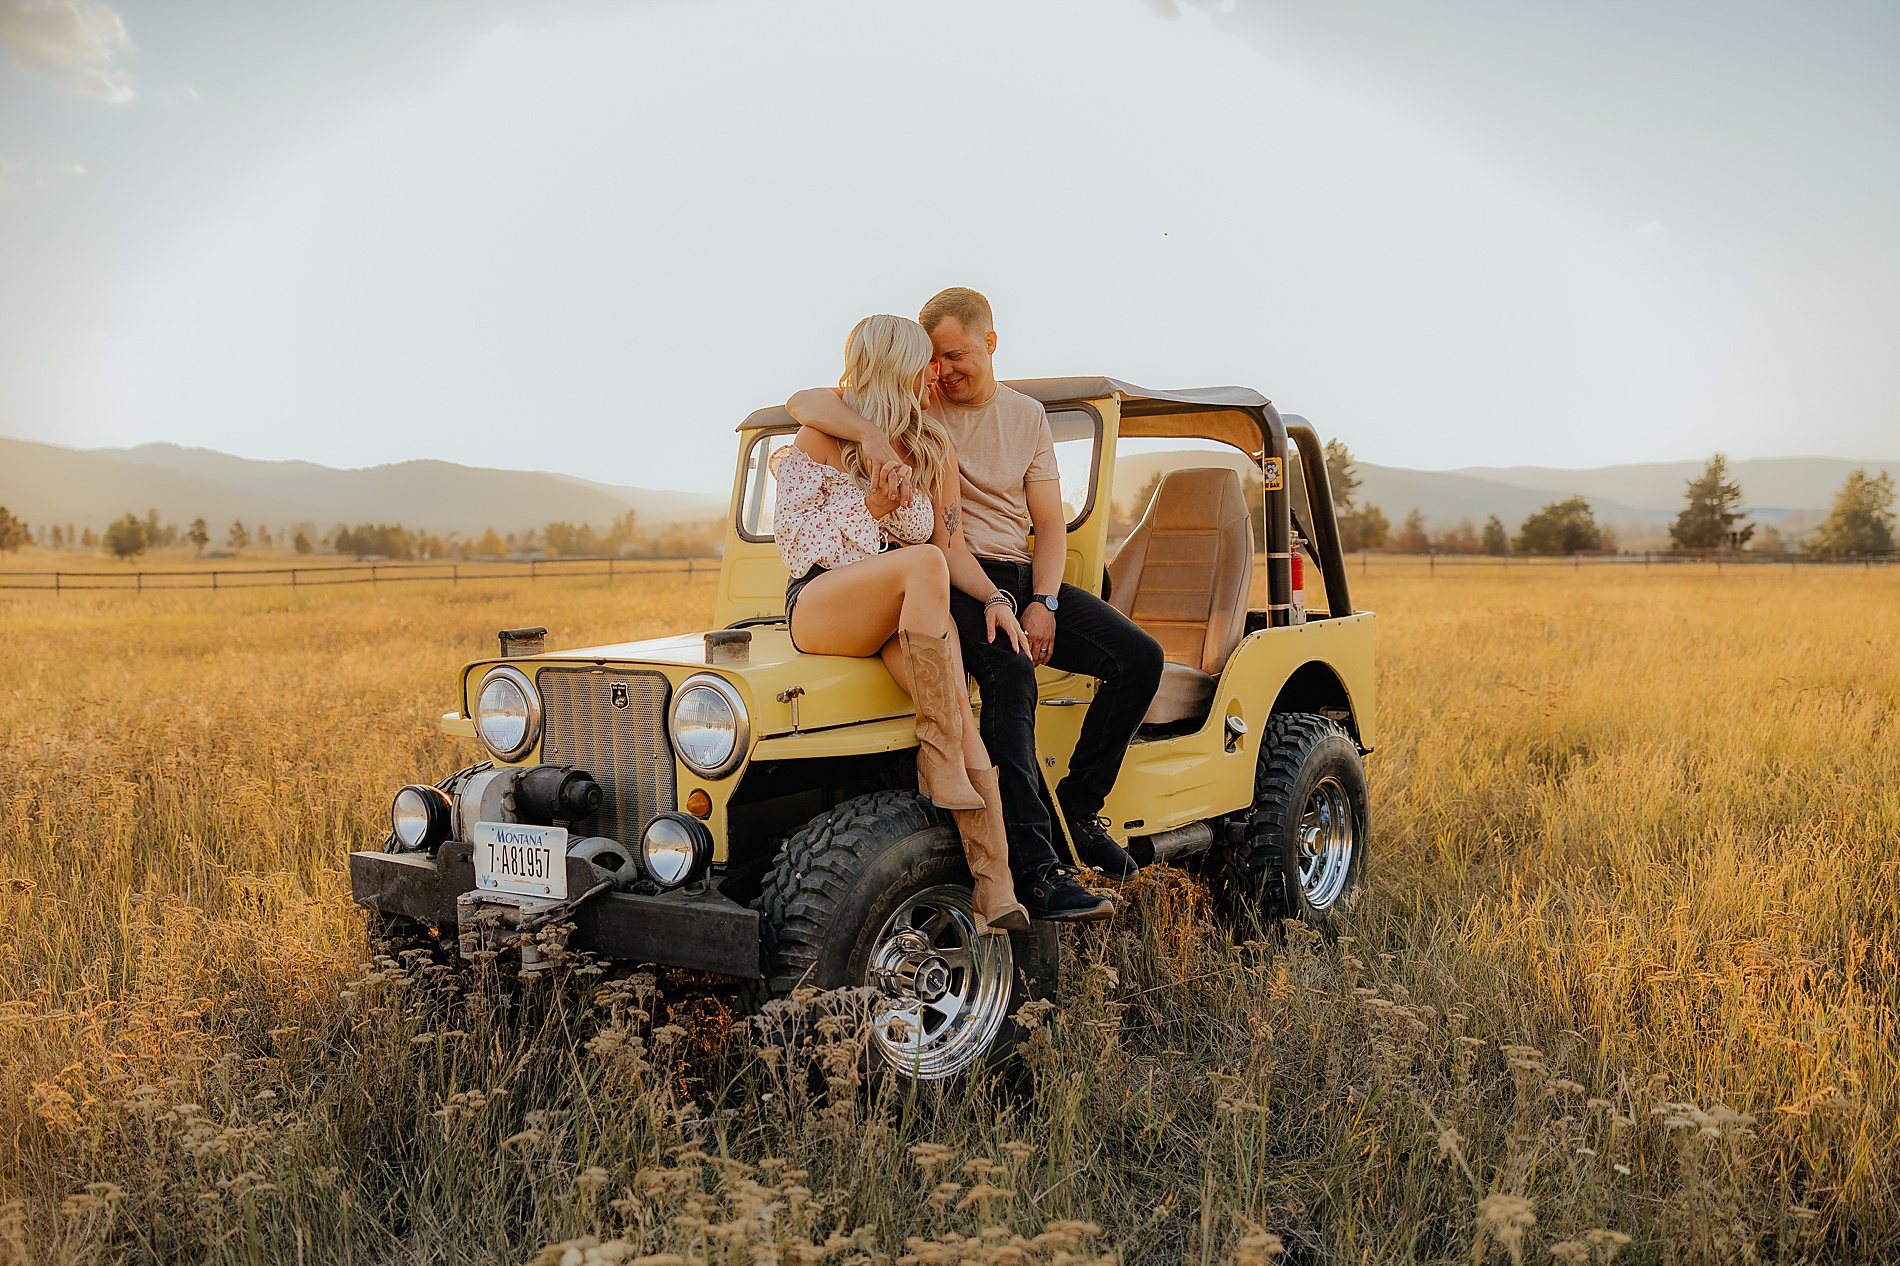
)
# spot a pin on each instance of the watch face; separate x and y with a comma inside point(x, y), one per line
point(1048, 600)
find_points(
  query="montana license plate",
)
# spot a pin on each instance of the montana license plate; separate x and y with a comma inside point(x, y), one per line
point(530, 861)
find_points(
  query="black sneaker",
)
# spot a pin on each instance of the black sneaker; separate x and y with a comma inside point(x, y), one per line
point(1052, 895)
point(1098, 849)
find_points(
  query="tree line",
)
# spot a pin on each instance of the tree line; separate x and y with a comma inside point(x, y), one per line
point(1712, 520)
point(132, 535)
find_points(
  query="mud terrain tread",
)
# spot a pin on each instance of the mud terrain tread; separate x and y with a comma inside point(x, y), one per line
point(1249, 870)
point(815, 869)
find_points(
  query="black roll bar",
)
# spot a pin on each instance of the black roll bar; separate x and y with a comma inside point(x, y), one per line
point(1319, 494)
point(1279, 525)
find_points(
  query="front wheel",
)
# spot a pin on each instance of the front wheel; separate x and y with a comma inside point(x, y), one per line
point(1303, 852)
point(875, 893)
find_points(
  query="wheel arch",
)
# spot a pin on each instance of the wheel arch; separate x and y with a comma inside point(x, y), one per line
point(1317, 687)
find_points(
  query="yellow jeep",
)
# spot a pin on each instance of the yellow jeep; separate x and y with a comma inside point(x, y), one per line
point(722, 802)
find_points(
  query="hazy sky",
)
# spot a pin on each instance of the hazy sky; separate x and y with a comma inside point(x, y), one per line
point(590, 236)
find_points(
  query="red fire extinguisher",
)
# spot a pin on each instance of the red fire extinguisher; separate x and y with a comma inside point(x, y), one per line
point(1299, 582)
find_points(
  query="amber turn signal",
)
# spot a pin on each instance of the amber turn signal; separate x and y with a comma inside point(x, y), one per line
point(698, 803)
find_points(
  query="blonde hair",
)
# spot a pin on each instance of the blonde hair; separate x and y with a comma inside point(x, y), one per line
point(882, 361)
point(971, 310)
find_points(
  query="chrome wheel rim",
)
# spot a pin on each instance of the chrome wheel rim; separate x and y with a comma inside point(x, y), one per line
point(1326, 844)
point(945, 988)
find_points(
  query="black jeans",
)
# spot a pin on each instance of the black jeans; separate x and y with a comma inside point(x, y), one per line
point(1092, 638)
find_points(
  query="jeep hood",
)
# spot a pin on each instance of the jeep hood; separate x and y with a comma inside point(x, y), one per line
point(838, 689)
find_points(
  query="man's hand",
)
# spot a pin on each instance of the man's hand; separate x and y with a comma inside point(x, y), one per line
point(821, 409)
point(998, 617)
point(1039, 626)
point(879, 460)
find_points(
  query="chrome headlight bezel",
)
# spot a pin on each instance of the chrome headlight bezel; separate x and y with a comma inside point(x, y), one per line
point(741, 724)
point(531, 732)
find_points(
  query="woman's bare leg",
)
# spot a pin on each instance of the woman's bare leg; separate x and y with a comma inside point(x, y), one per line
point(856, 610)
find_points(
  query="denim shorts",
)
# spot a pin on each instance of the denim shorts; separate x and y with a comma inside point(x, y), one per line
point(793, 588)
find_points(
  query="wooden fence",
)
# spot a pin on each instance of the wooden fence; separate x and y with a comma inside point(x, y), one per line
point(318, 575)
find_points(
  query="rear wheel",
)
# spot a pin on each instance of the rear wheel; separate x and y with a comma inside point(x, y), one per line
point(1303, 852)
point(875, 893)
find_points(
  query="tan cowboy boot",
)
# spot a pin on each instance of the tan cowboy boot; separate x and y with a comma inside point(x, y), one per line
point(939, 694)
point(986, 849)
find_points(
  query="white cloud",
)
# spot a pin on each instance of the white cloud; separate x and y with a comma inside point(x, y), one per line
point(72, 41)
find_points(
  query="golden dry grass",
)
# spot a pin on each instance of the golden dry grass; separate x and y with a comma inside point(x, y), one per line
point(1625, 969)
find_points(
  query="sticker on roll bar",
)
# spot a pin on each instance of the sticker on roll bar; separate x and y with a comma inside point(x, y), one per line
point(529, 861)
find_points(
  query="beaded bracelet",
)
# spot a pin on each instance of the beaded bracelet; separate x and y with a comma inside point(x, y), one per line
point(1001, 596)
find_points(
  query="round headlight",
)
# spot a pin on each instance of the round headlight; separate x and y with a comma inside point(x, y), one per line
point(507, 713)
point(675, 850)
point(419, 817)
point(708, 725)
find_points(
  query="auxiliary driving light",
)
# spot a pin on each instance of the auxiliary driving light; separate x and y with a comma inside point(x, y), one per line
point(675, 850)
point(419, 816)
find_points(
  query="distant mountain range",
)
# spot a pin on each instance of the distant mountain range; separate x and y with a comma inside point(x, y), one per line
point(44, 483)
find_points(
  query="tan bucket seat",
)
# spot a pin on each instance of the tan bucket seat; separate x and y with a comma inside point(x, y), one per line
point(1183, 575)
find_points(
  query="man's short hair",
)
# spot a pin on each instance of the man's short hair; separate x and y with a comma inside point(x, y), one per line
point(971, 310)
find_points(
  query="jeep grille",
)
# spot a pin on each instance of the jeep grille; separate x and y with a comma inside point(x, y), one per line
point(624, 748)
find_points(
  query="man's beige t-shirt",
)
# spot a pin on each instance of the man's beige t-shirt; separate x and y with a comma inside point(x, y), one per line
point(1001, 446)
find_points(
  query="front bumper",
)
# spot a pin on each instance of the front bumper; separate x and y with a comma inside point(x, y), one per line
point(701, 932)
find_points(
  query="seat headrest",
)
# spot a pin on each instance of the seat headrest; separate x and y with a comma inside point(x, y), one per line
point(1200, 499)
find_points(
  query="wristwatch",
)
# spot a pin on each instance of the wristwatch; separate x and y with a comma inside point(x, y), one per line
point(1046, 599)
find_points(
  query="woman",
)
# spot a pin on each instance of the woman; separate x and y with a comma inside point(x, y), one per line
point(871, 574)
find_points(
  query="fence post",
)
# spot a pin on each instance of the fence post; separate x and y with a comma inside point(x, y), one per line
point(1431, 562)
point(531, 563)
point(689, 569)
point(139, 578)
point(214, 578)
point(293, 577)
point(455, 572)
point(1365, 560)
point(1576, 560)
point(610, 571)
point(55, 582)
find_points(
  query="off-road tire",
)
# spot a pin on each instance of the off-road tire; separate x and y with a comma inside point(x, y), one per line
point(835, 883)
point(1304, 759)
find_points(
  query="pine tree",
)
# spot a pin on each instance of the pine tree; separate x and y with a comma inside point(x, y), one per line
point(1343, 476)
point(199, 536)
point(1496, 540)
point(238, 537)
point(1862, 520)
point(1412, 537)
point(1708, 520)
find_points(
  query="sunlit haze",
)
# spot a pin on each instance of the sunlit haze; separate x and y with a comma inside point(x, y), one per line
point(591, 237)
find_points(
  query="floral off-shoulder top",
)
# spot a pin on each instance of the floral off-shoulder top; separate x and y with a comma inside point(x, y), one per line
point(820, 517)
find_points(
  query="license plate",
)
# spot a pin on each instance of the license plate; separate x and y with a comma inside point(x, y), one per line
point(530, 861)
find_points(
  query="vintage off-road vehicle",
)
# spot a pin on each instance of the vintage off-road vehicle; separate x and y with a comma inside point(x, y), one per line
point(724, 803)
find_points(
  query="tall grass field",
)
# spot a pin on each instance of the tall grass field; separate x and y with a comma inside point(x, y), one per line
point(1622, 986)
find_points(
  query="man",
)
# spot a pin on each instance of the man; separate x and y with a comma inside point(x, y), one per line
point(1010, 489)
